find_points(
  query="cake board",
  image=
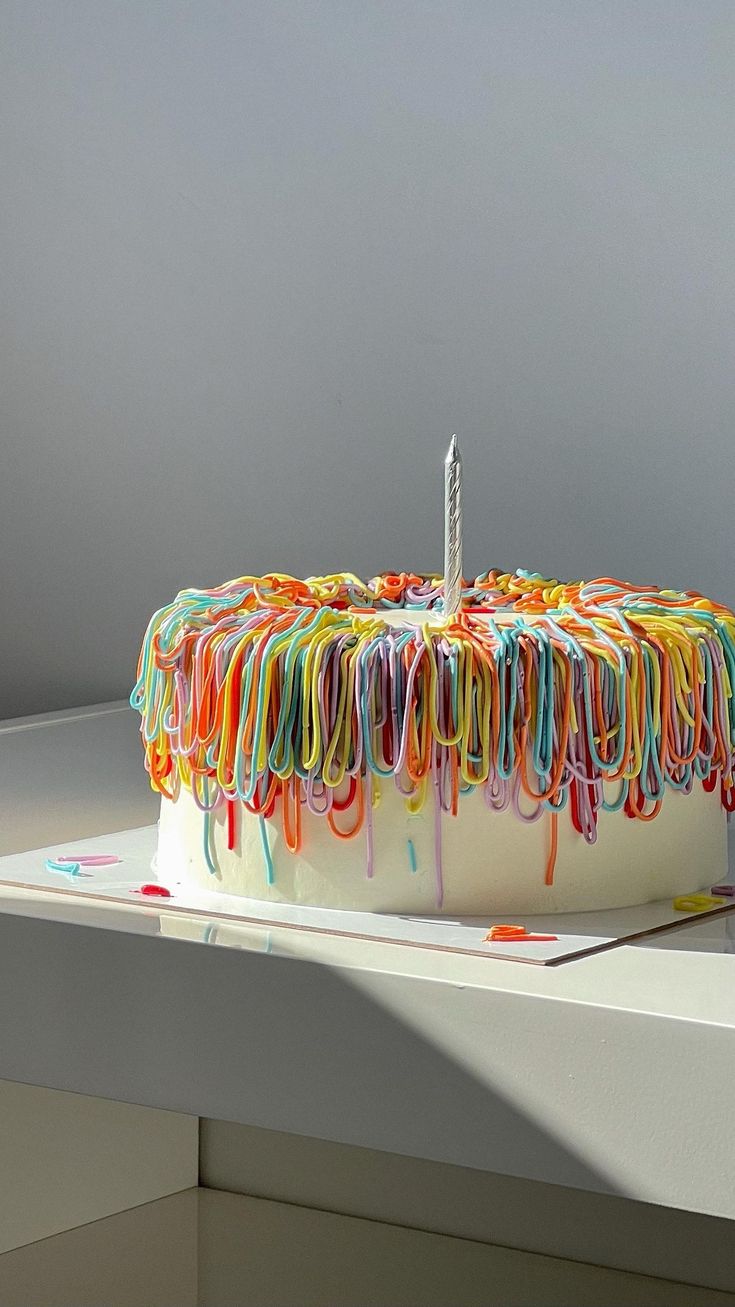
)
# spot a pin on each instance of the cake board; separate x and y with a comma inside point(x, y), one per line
point(577, 935)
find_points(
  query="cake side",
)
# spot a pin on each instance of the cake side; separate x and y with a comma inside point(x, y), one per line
point(333, 725)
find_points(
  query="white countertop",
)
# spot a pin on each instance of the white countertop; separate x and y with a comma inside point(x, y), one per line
point(604, 1073)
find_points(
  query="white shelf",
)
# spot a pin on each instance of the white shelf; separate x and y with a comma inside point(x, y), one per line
point(597, 1074)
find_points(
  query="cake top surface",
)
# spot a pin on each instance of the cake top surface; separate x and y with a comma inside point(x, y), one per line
point(595, 694)
point(519, 599)
point(520, 594)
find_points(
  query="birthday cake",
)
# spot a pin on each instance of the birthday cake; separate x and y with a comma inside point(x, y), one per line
point(347, 744)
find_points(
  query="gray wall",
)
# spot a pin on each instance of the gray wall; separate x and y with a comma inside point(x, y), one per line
point(260, 259)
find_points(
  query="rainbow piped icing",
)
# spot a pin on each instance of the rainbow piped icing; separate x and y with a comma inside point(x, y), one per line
point(279, 693)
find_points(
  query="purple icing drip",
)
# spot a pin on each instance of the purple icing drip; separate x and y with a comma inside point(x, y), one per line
point(438, 871)
point(369, 824)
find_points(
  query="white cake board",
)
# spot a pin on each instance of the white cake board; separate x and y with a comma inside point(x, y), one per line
point(578, 935)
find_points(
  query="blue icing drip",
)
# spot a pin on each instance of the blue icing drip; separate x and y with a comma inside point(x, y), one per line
point(270, 875)
point(207, 837)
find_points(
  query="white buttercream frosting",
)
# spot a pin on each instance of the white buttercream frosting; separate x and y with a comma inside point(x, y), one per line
point(492, 862)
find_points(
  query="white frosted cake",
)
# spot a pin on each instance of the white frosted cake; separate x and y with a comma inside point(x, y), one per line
point(342, 744)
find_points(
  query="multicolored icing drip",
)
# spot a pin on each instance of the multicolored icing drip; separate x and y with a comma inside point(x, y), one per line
point(279, 693)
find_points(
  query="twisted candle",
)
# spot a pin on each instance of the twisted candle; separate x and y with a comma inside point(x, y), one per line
point(453, 529)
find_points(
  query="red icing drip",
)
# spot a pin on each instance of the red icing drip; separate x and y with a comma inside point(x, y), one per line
point(343, 805)
point(231, 817)
point(574, 806)
point(155, 891)
point(728, 797)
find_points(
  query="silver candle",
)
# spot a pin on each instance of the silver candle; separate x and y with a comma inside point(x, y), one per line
point(453, 528)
